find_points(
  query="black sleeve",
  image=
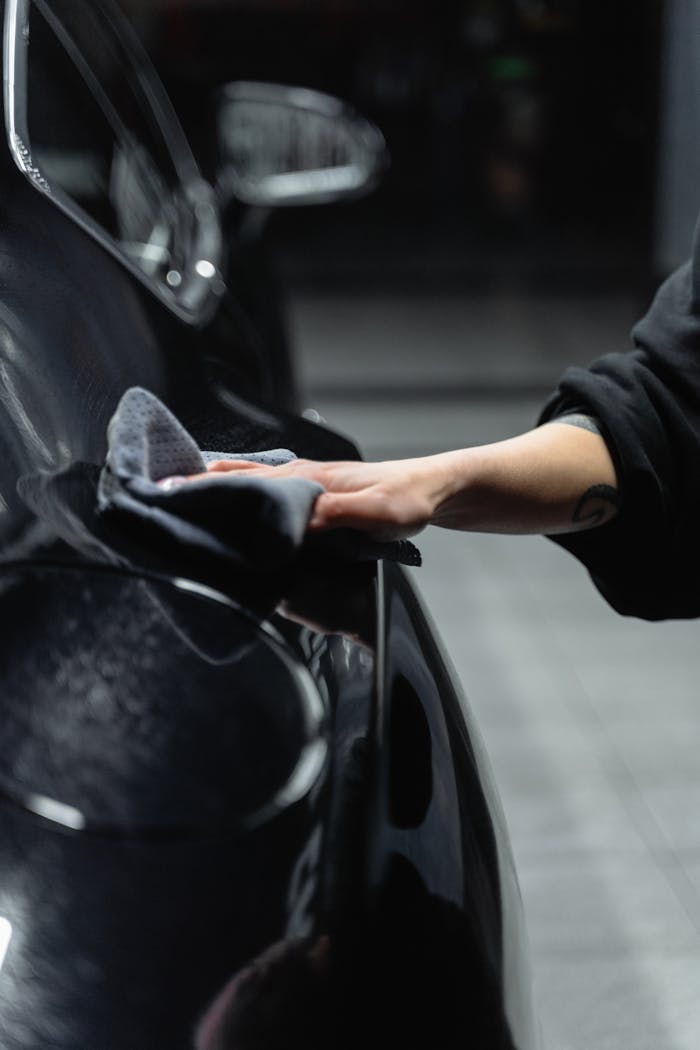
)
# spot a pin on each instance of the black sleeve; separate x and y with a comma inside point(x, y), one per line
point(646, 561)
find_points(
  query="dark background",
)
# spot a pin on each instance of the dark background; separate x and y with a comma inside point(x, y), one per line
point(523, 133)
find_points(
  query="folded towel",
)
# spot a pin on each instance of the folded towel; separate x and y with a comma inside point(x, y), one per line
point(255, 523)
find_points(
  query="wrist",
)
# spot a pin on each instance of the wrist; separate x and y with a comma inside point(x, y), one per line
point(456, 477)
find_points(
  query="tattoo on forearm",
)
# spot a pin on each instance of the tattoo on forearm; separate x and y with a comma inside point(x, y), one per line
point(581, 420)
point(597, 505)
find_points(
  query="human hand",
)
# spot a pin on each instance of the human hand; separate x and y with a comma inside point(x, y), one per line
point(388, 500)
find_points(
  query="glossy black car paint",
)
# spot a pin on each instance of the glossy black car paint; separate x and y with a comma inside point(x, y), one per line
point(270, 793)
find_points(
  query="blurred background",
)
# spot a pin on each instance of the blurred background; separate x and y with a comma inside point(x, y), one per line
point(523, 133)
point(540, 149)
point(545, 176)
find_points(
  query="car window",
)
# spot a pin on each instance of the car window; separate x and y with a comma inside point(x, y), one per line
point(92, 128)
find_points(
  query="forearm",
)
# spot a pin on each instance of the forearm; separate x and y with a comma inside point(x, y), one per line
point(557, 478)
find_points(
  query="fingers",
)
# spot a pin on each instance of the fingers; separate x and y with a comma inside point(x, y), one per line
point(354, 510)
point(339, 510)
point(219, 466)
point(303, 468)
point(226, 466)
point(176, 480)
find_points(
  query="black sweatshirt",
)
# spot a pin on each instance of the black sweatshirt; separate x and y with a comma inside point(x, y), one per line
point(646, 561)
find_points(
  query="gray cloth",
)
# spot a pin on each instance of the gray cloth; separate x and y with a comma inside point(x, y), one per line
point(258, 524)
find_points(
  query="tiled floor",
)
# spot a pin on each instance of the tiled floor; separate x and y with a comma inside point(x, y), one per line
point(592, 721)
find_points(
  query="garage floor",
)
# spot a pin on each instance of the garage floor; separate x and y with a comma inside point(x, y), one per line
point(592, 722)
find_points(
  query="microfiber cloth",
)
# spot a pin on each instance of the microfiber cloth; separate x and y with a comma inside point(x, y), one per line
point(257, 524)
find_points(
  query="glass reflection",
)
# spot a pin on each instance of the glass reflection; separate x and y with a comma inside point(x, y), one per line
point(5, 938)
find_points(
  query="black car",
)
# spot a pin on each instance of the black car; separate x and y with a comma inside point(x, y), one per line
point(238, 808)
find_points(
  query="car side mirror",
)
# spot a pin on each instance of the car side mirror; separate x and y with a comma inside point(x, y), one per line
point(283, 146)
